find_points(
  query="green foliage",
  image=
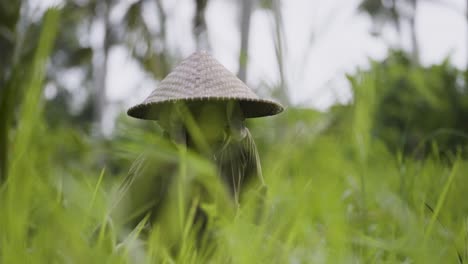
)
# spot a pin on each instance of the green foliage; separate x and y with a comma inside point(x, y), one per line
point(415, 108)
point(338, 192)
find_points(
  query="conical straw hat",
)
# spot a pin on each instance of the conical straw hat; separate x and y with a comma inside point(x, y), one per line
point(200, 77)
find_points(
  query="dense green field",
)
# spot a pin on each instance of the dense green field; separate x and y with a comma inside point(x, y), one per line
point(336, 193)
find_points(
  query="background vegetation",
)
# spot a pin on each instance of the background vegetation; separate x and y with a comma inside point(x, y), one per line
point(381, 179)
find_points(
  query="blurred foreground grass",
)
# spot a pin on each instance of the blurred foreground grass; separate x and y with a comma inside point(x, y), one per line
point(336, 194)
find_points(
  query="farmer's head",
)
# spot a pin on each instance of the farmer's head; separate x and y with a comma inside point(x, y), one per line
point(201, 93)
point(207, 120)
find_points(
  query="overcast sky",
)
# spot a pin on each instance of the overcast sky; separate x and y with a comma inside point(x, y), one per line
point(324, 40)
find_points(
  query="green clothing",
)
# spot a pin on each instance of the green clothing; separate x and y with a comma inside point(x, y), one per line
point(152, 183)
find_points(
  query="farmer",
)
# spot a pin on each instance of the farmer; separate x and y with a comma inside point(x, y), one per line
point(202, 107)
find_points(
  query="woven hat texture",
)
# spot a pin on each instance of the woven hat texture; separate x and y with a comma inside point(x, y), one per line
point(200, 77)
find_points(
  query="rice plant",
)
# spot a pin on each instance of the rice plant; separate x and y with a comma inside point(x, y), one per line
point(336, 194)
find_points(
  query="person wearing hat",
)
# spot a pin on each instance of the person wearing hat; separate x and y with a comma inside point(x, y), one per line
point(202, 107)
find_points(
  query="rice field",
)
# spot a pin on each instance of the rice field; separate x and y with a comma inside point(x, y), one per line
point(336, 194)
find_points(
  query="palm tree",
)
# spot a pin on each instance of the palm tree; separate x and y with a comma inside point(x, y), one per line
point(383, 12)
point(246, 12)
point(199, 24)
point(394, 12)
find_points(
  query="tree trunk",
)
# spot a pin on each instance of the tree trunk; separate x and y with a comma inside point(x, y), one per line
point(279, 50)
point(199, 25)
point(396, 19)
point(100, 72)
point(244, 47)
point(466, 69)
point(162, 56)
point(414, 38)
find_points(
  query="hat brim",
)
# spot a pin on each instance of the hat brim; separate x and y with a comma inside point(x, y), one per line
point(251, 108)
